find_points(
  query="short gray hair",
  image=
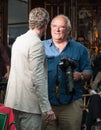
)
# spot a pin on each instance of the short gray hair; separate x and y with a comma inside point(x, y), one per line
point(38, 17)
point(66, 18)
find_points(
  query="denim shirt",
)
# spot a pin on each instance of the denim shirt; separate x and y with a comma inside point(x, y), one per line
point(78, 53)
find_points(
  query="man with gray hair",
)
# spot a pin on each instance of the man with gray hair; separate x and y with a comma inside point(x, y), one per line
point(27, 90)
point(65, 80)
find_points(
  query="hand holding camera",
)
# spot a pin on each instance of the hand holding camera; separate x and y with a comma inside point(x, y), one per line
point(68, 65)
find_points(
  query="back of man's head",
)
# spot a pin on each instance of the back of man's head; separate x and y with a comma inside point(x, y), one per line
point(38, 17)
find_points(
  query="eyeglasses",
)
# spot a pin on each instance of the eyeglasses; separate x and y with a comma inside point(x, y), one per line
point(61, 28)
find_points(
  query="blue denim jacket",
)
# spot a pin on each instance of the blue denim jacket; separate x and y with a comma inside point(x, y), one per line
point(76, 52)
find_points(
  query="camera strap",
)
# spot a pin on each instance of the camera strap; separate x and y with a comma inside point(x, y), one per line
point(57, 92)
point(71, 98)
point(57, 89)
point(57, 95)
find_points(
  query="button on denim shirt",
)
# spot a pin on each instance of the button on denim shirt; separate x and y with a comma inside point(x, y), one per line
point(78, 53)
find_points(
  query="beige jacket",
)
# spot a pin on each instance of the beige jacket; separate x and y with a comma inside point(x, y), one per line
point(27, 84)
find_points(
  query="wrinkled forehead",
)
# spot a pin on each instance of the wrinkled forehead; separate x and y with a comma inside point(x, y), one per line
point(59, 21)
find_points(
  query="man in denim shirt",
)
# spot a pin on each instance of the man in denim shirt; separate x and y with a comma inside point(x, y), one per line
point(66, 101)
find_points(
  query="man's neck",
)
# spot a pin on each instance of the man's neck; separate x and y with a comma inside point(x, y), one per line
point(39, 33)
point(60, 45)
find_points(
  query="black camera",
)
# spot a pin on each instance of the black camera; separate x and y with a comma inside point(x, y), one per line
point(68, 65)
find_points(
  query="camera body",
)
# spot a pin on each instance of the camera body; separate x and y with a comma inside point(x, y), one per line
point(68, 65)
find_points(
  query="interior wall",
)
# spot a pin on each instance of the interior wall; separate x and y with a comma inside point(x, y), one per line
point(17, 18)
point(88, 25)
point(17, 11)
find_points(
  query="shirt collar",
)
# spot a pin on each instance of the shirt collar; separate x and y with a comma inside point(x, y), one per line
point(51, 43)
